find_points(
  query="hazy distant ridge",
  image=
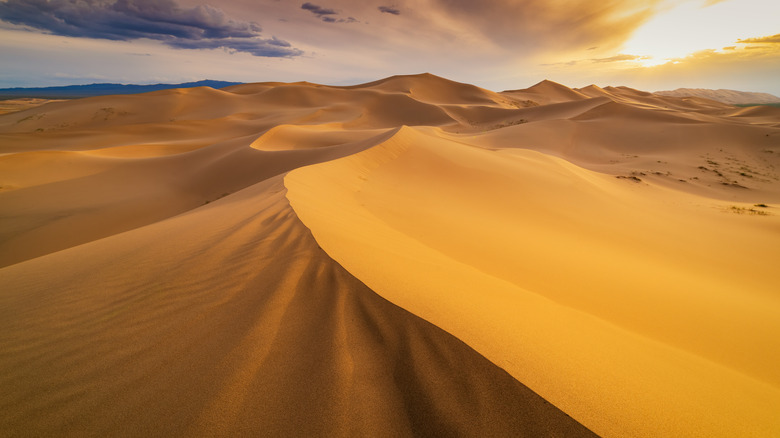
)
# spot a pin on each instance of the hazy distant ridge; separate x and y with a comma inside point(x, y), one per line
point(76, 91)
point(725, 96)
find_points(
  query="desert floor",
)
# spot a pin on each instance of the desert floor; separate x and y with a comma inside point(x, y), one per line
point(411, 256)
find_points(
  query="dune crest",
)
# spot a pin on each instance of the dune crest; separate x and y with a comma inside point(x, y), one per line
point(288, 344)
point(409, 256)
point(547, 92)
point(485, 236)
point(485, 233)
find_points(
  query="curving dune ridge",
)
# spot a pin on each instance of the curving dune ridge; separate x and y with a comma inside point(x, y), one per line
point(411, 256)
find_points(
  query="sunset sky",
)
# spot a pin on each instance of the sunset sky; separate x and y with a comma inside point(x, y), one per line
point(496, 44)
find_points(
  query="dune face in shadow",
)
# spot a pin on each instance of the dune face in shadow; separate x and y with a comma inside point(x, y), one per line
point(410, 256)
point(222, 325)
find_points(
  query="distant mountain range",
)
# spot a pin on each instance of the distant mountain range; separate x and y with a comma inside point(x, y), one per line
point(726, 96)
point(77, 91)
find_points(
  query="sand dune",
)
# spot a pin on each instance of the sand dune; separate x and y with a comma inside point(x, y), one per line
point(499, 287)
point(16, 105)
point(429, 88)
point(58, 199)
point(546, 92)
point(726, 96)
point(410, 256)
point(229, 320)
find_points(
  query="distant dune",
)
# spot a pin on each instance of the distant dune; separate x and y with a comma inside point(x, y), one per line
point(725, 96)
point(407, 257)
point(21, 104)
point(79, 91)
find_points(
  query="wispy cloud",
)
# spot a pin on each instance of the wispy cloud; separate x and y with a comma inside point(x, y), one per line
point(617, 58)
point(774, 39)
point(711, 2)
point(389, 10)
point(750, 70)
point(319, 11)
point(327, 15)
point(271, 47)
point(536, 25)
point(201, 27)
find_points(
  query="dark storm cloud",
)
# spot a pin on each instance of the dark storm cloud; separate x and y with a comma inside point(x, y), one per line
point(389, 10)
point(202, 27)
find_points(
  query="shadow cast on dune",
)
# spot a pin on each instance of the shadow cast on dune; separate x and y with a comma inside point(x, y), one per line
point(236, 325)
point(452, 261)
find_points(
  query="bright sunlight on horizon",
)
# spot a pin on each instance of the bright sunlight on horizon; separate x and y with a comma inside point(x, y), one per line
point(682, 30)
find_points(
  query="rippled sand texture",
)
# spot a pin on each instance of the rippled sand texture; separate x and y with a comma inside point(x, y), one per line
point(412, 256)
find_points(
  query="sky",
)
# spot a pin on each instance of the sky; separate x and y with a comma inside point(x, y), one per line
point(496, 44)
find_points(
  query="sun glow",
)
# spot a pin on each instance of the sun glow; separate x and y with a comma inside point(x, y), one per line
point(651, 61)
point(693, 26)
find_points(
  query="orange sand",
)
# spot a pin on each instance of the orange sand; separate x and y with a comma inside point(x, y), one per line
point(600, 246)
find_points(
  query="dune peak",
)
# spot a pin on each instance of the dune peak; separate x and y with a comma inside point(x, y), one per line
point(292, 258)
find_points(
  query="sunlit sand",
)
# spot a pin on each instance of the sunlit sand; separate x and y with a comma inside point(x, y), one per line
point(408, 256)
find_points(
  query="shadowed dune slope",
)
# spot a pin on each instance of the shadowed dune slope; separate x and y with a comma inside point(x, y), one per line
point(60, 199)
point(613, 250)
point(230, 321)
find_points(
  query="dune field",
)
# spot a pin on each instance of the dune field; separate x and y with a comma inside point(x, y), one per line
point(411, 256)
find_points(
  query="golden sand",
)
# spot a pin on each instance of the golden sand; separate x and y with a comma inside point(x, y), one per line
point(407, 256)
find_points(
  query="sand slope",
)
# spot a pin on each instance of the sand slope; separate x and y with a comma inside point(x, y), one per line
point(612, 249)
point(546, 92)
point(16, 105)
point(589, 283)
point(230, 321)
point(727, 96)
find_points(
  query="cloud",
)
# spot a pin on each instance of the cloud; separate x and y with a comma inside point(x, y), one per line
point(750, 70)
point(389, 10)
point(319, 11)
point(552, 64)
point(201, 27)
point(619, 58)
point(539, 25)
point(774, 39)
point(272, 47)
point(325, 14)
